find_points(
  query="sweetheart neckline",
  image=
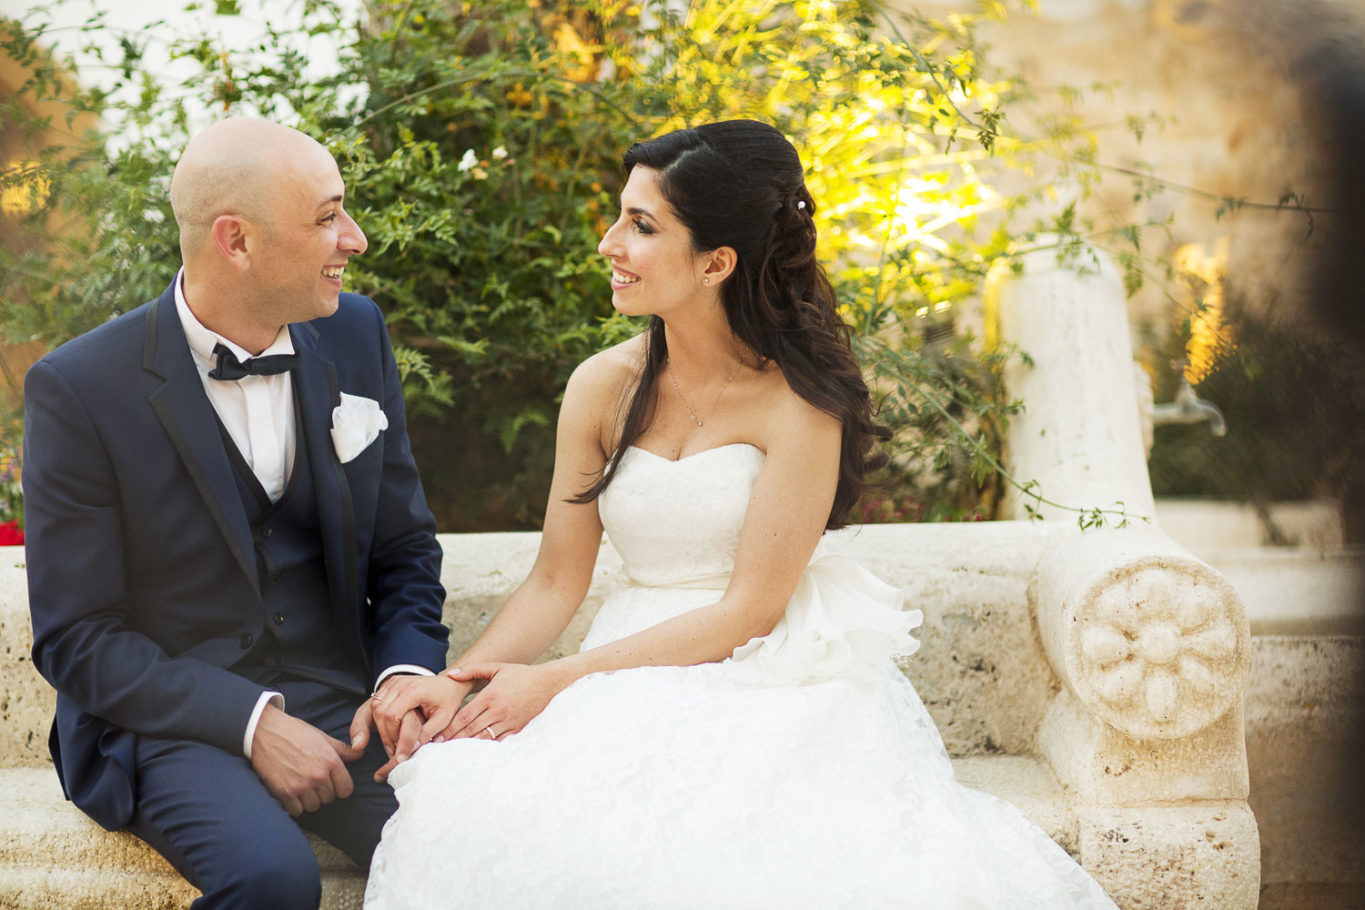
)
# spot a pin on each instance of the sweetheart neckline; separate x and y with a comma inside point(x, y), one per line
point(728, 445)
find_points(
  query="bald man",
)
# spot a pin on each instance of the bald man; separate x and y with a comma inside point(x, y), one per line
point(229, 550)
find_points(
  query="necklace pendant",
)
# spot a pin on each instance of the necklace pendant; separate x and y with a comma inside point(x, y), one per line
point(690, 413)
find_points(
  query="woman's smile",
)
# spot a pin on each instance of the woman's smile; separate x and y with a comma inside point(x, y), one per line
point(621, 278)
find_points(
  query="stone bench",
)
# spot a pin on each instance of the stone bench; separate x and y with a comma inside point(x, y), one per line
point(1141, 776)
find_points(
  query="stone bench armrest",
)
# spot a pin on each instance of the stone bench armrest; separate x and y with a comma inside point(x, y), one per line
point(1152, 647)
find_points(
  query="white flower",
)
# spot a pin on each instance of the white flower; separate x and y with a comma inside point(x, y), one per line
point(468, 161)
point(499, 153)
point(356, 423)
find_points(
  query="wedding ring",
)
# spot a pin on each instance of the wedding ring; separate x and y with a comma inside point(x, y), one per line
point(489, 731)
point(374, 697)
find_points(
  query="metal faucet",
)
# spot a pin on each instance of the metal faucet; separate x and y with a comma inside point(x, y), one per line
point(1190, 408)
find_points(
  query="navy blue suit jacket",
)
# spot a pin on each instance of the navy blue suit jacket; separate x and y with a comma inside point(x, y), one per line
point(142, 572)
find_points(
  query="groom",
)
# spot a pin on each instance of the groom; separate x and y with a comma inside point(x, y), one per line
point(228, 544)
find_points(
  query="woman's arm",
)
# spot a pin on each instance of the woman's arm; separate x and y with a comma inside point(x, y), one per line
point(786, 516)
point(540, 608)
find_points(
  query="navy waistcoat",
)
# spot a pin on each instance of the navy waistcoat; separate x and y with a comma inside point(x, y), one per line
point(299, 635)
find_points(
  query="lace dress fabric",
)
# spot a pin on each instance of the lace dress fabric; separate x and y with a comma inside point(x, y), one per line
point(803, 772)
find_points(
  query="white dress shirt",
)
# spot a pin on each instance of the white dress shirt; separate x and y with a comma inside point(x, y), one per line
point(258, 413)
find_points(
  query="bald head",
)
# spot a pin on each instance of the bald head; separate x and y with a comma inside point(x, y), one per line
point(235, 166)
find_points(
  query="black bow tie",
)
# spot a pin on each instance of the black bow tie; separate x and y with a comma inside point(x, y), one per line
point(230, 368)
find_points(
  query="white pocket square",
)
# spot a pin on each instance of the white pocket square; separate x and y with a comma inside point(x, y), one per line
point(356, 423)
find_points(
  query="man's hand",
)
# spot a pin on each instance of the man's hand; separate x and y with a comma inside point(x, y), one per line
point(301, 766)
point(406, 711)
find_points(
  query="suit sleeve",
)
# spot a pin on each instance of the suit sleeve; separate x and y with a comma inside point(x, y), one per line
point(79, 596)
point(404, 562)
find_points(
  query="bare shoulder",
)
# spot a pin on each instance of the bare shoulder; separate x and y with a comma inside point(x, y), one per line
point(608, 371)
point(598, 388)
point(607, 376)
point(790, 421)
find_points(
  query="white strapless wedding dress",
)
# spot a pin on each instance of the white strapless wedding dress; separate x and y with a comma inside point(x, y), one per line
point(801, 773)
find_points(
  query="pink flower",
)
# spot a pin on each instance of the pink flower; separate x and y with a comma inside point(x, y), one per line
point(11, 535)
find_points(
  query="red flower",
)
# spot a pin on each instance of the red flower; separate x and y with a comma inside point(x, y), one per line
point(11, 534)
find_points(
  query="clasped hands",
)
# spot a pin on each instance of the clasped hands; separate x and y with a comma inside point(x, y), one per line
point(411, 711)
point(304, 768)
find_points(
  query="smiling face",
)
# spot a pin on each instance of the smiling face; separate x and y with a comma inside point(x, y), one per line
point(307, 239)
point(654, 269)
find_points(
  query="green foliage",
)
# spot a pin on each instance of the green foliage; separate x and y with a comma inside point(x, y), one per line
point(1295, 411)
point(481, 144)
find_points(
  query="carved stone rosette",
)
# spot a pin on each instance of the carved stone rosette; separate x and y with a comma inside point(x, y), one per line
point(1151, 640)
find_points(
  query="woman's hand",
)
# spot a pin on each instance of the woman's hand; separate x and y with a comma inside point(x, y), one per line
point(408, 708)
point(515, 694)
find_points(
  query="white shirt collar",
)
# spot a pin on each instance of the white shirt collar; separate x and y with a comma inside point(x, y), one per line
point(202, 339)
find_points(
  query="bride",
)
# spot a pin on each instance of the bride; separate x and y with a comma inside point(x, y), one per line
point(734, 731)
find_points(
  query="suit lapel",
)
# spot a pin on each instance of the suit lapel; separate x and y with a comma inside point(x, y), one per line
point(184, 410)
point(317, 393)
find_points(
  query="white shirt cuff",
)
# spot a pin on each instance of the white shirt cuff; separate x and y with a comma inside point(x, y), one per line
point(268, 697)
point(401, 668)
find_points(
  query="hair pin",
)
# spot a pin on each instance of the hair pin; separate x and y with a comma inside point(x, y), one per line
point(801, 204)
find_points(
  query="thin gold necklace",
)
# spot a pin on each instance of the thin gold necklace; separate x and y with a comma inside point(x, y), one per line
point(691, 413)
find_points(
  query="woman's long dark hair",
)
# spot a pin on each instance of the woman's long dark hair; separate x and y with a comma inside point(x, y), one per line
point(739, 184)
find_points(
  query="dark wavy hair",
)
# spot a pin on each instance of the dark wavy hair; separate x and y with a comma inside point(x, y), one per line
point(739, 183)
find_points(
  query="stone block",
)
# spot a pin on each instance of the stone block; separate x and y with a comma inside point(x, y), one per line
point(52, 856)
point(1305, 710)
point(978, 638)
point(479, 571)
point(1028, 784)
point(1174, 858)
point(1208, 525)
point(27, 702)
point(1109, 768)
point(1298, 590)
